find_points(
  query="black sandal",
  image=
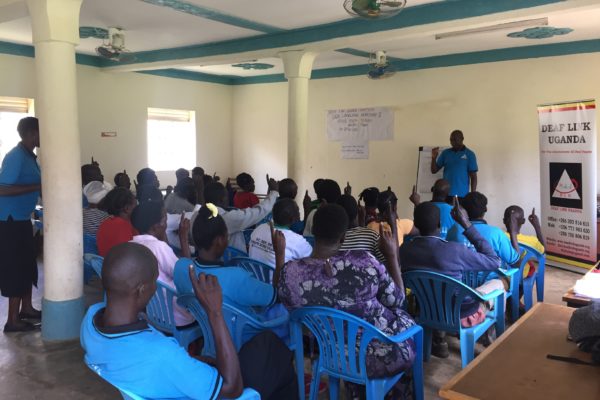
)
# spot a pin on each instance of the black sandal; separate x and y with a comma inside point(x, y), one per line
point(26, 327)
point(37, 315)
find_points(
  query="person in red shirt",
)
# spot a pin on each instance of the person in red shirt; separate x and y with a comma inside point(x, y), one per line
point(119, 203)
point(245, 198)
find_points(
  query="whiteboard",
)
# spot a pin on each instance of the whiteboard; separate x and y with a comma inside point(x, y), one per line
point(425, 179)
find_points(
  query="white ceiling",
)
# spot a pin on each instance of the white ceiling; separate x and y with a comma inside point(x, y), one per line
point(150, 27)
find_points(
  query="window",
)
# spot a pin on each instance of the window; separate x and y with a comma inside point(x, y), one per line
point(12, 109)
point(171, 139)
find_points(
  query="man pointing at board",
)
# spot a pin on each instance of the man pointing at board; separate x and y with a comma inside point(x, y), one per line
point(459, 164)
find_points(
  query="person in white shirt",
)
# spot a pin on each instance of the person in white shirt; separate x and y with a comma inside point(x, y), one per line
point(238, 220)
point(150, 219)
point(285, 213)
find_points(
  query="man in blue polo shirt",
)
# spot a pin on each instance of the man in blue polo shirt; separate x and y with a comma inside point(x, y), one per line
point(439, 191)
point(475, 204)
point(459, 164)
point(123, 349)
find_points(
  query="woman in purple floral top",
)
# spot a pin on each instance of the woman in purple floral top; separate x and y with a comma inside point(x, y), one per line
point(355, 282)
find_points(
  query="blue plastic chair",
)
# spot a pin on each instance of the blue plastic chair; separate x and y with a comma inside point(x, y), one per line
point(539, 273)
point(474, 279)
point(310, 240)
point(93, 262)
point(439, 300)
point(247, 394)
point(258, 269)
point(232, 252)
point(247, 235)
point(343, 339)
point(89, 244)
point(238, 322)
point(160, 314)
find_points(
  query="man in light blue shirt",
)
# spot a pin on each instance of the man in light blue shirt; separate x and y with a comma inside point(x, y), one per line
point(123, 349)
point(440, 191)
point(475, 204)
point(459, 164)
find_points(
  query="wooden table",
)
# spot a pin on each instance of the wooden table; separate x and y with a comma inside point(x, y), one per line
point(515, 366)
point(575, 300)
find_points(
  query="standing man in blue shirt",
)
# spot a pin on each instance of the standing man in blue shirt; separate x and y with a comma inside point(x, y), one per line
point(459, 164)
point(20, 185)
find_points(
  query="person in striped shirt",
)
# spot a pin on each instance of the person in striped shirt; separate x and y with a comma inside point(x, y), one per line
point(358, 237)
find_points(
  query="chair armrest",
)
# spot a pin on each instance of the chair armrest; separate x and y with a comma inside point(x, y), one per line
point(407, 334)
point(491, 295)
point(508, 272)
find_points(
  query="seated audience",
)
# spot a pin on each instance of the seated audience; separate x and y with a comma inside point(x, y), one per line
point(150, 220)
point(183, 198)
point(181, 173)
point(440, 191)
point(352, 281)
point(475, 204)
point(514, 218)
point(285, 214)
point(327, 191)
point(119, 204)
point(288, 189)
point(93, 216)
point(240, 288)
point(148, 193)
point(358, 237)
point(90, 173)
point(122, 180)
point(245, 197)
point(198, 178)
point(146, 180)
point(238, 220)
point(429, 251)
point(385, 201)
point(125, 350)
point(369, 196)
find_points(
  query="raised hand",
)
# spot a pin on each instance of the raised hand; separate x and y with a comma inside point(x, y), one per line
point(184, 226)
point(348, 189)
point(306, 202)
point(278, 240)
point(207, 291)
point(272, 184)
point(94, 162)
point(435, 152)
point(362, 214)
point(388, 243)
point(415, 197)
point(533, 219)
point(216, 178)
point(460, 214)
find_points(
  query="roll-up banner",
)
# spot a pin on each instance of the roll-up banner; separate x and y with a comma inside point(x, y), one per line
point(568, 181)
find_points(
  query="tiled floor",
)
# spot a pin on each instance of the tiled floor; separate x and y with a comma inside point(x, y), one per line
point(33, 369)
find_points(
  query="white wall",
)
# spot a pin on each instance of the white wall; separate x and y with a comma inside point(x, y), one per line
point(119, 101)
point(494, 104)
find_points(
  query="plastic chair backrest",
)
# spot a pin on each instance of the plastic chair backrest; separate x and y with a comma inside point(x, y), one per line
point(160, 308)
point(342, 338)
point(232, 252)
point(439, 298)
point(310, 240)
point(89, 244)
point(474, 279)
point(237, 322)
point(258, 269)
point(95, 261)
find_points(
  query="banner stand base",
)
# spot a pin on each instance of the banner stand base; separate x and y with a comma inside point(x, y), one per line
point(558, 262)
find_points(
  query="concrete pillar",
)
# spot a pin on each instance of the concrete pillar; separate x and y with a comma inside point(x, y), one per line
point(298, 67)
point(55, 26)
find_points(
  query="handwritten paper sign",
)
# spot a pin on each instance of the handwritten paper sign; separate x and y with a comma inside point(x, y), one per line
point(375, 123)
point(355, 149)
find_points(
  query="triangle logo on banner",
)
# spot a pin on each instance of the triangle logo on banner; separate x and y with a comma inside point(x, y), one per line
point(566, 189)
